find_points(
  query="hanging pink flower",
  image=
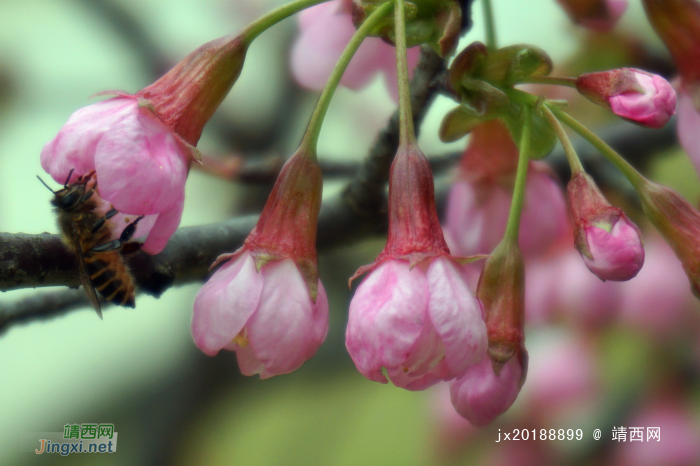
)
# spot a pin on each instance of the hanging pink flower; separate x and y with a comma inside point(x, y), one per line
point(481, 395)
point(266, 301)
point(326, 30)
point(266, 317)
point(140, 146)
point(479, 200)
point(414, 314)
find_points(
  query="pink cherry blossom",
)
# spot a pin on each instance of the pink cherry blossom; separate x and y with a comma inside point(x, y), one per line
point(477, 214)
point(653, 107)
point(326, 30)
point(689, 128)
point(266, 317)
point(480, 395)
point(617, 254)
point(140, 164)
point(421, 324)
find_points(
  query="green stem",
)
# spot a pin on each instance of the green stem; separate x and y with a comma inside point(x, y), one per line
point(490, 25)
point(554, 80)
point(310, 139)
point(260, 25)
point(574, 161)
point(407, 134)
point(628, 170)
point(516, 207)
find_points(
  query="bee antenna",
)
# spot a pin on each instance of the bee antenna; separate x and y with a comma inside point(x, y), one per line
point(47, 186)
point(65, 185)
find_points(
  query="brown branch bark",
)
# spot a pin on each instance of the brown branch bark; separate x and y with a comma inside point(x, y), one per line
point(28, 261)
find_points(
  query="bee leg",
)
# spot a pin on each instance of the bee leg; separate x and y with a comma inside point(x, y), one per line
point(87, 195)
point(129, 230)
point(117, 243)
point(70, 173)
point(98, 224)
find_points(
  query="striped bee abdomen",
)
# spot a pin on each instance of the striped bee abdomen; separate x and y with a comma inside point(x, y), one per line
point(110, 277)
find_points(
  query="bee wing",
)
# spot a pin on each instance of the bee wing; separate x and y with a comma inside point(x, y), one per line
point(85, 277)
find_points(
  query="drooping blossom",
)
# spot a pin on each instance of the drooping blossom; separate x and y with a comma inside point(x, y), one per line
point(140, 146)
point(479, 200)
point(490, 388)
point(266, 301)
point(266, 317)
point(481, 395)
point(635, 95)
point(326, 30)
point(677, 22)
point(413, 314)
point(609, 243)
point(598, 15)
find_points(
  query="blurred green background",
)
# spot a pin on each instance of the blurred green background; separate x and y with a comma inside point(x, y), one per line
point(139, 368)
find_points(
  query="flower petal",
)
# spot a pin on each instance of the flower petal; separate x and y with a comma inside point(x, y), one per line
point(248, 363)
point(225, 303)
point(285, 330)
point(456, 315)
point(165, 225)
point(74, 146)
point(141, 166)
point(481, 395)
point(386, 317)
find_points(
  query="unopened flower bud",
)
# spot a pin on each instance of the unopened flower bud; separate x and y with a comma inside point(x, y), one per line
point(635, 95)
point(481, 394)
point(501, 290)
point(608, 241)
point(598, 15)
point(679, 224)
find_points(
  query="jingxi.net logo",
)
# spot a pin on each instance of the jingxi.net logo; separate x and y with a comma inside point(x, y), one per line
point(75, 438)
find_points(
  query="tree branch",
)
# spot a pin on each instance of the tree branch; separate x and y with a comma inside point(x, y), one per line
point(28, 261)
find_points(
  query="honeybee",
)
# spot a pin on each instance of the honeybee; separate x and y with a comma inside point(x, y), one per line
point(84, 231)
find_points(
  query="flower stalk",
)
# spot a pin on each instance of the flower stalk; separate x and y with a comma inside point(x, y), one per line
point(260, 25)
point(571, 156)
point(616, 159)
point(407, 134)
point(313, 130)
point(516, 207)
